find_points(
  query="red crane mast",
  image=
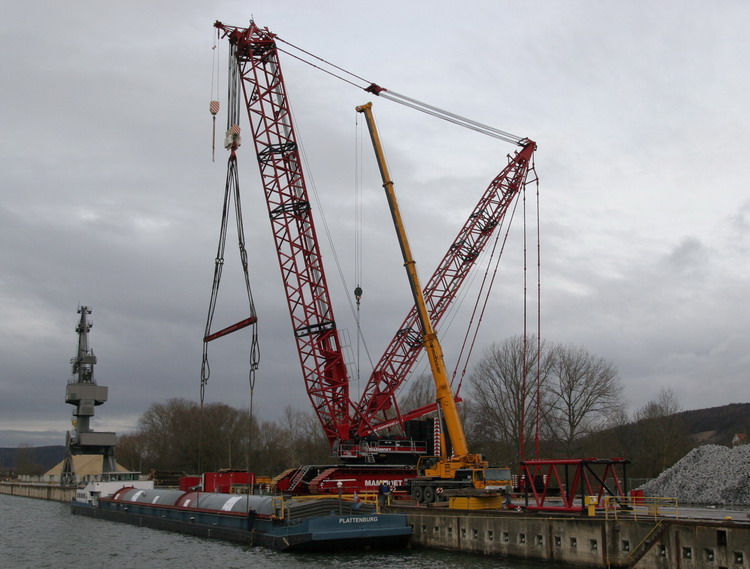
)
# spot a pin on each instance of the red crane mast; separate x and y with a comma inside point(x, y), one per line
point(310, 309)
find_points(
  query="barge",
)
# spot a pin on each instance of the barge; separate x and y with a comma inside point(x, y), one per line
point(277, 522)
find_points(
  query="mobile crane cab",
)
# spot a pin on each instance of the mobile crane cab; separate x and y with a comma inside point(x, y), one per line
point(439, 479)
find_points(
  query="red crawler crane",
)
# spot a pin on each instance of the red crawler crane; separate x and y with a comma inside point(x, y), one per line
point(311, 312)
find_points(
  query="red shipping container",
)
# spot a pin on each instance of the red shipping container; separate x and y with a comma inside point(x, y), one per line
point(189, 482)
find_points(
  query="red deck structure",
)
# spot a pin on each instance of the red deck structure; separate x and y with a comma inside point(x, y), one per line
point(556, 485)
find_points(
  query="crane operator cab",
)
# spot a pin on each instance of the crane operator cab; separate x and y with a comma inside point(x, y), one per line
point(497, 478)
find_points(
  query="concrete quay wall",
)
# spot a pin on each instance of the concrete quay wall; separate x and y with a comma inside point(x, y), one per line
point(38, 491)
point(647, 543)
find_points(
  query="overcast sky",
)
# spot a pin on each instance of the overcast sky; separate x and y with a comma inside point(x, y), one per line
point(110, 197)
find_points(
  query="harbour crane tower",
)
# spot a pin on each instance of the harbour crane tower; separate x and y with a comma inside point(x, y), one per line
point(85, 394)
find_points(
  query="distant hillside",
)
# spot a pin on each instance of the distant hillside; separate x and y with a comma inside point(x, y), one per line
point(717, 425)
point(40, 458)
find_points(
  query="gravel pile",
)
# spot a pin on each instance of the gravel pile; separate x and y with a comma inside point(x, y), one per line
point(710, 474)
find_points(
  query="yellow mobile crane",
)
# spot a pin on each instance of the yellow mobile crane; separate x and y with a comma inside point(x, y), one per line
point(462, 474)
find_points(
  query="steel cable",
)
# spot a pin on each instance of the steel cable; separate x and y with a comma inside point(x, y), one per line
point(231, 188)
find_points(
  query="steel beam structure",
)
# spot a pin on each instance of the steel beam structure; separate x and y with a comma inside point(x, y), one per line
point(310, 309)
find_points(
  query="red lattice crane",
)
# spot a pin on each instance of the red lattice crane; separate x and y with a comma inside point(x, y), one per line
point(318, 343)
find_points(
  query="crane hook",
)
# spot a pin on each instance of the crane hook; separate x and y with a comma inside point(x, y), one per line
point(214, 108)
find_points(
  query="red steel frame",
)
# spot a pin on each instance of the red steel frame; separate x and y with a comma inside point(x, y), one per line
point(590, 477)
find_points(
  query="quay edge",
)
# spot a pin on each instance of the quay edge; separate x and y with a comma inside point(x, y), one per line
point(53, 492)
point(645, 543)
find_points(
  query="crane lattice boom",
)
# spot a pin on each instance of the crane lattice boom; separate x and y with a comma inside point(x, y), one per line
point(310, 309)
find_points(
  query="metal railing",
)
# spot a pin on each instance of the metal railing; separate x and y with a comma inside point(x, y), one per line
point(643, 506)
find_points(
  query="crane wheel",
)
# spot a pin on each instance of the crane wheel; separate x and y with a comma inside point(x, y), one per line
point(418, 494)
point(429, 495)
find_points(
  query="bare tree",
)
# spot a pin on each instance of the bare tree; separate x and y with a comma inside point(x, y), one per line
point(175, 436)
point(616, 439)
point(304, 440)
point(269, 454)
point(181, 436)
point(662, 435)
point(131, 450)
point(420, 392)
point(26, 460)
point(503, 393)
point(221, 436)
point(315, 446)
point(585, 391)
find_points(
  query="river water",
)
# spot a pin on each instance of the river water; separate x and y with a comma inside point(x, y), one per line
point(36, 534)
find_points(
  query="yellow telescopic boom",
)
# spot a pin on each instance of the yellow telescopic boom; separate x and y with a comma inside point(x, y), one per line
point(431, 343)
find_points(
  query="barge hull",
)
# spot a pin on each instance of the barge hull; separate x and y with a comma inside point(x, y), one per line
point(314, 534)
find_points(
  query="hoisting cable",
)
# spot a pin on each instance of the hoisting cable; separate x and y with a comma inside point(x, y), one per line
point(324, 222)
point(538, 310)
point(358, 240)
point(522, 450)
point(214, 105)
point(444, 115)
point(231, 190)
point(402, 99)
point(483, 298)
point(331, 73)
